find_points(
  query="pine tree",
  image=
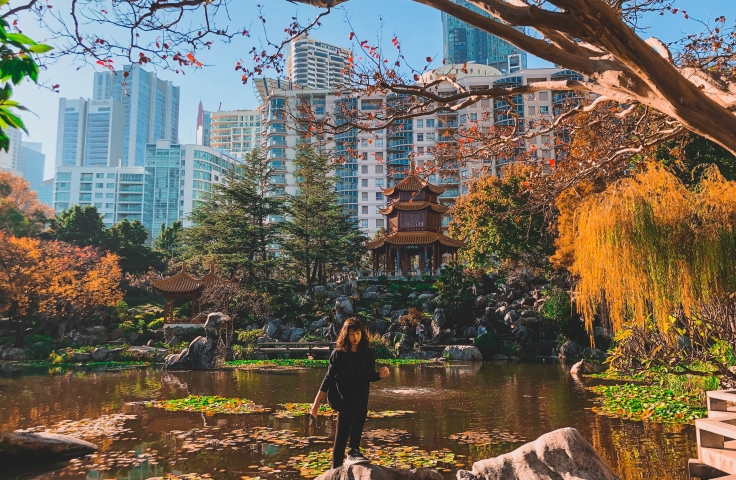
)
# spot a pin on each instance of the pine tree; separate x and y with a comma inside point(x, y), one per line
point(170, 240)
point(233, 227)
point(320, 237)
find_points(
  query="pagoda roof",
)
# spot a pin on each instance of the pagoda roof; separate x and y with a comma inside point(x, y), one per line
point(413, 183)
point(413, 206)
point(183, 282)
point(414, 238)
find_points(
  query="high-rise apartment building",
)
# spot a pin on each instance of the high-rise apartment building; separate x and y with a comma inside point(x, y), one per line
point(377, 160)
point(204, 125)
point(10, 160)
point(151, 108)
point(465, 43)
point(235, 132)
point(32, 161)
point(316, 64)
point(89, 133)
point(177, 178)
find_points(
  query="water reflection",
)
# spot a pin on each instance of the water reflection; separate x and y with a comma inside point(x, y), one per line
point(527, 400)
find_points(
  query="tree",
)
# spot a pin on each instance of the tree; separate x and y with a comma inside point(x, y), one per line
point(320, 238)
point(237, 225)
point(495, 221)
point(127, 240)
point(170, 240)
point(21, 213)
point(79, 225)
point(59, 280)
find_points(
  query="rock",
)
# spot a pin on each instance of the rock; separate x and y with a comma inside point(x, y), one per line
point(521, 332)
point(528, 314)
point(569, 349)
point(373, 289)
point(392, 337)
point(467, 353)
point(264, 339)
point(561, 454)
point(398, 314)
point(437, 322)
point(81, 357)
point(272, 328)
point(480, 301)
point(113, 352)
point(296, 334)
point(510, 317)
point(285, 335)
point(470, 332)
point(584, 367)
point(43, 446)
point(204, 353)
point(425, 297)
point(320, 288)
point(332, 295)
point(501, 311)
point(317, 324)
point(405, 343)
point(420, 355)
point(117, 334)
point(528, 302)
point(378, 326)
point(132, 336)
point(13, 354)
point(99, 354)
point(500, 357)
point(377, 472)
point(595, 354)
point(426, 307)
point(385, 311)
point(371, 295)
point(343, 310)
point(96, 330)
point(412, 296)
point(150, 343)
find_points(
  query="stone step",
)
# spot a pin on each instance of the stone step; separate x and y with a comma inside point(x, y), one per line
point(717, 427)
point(723, 460)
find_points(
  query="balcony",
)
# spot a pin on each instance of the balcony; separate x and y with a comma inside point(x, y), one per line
point(277, 165)
point(277, 180)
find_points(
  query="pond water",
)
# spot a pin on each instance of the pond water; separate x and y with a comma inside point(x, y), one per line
point(522, 400)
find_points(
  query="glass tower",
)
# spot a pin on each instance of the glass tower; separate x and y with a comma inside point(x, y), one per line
point(464, 43)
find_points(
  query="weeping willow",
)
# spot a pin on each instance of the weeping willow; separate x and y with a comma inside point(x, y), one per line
point(648, 247)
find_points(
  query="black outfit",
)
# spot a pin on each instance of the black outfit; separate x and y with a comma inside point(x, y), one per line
point(347, 383)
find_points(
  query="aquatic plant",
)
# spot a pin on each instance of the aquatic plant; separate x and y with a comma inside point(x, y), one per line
point(209, 405)
point(648, 403)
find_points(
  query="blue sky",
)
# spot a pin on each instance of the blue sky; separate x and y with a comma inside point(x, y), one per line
point(419, 28)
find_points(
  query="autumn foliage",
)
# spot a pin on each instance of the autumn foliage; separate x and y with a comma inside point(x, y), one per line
point(649, 247)
point(60, 281)
point(20, 211)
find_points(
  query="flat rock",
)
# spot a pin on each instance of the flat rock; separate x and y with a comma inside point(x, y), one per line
point(49, 446)
point(377, 472)
point(559, 455)
point(99, 354)
point(467, 353)
point(584, 367)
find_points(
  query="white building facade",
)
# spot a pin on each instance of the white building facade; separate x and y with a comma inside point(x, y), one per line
point(316, 64)
point(235, 132)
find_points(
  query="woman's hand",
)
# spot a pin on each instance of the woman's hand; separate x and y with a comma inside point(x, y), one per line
point(383, 373)
point(314, 410)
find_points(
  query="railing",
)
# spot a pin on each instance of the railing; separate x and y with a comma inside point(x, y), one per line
point(715, 458)
point(278, 346)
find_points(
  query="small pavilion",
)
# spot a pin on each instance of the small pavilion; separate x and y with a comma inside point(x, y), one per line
point(184, 286)
point(413, 239)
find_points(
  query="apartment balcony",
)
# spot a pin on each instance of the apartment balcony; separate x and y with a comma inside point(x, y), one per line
point(450, 193)
point(277, 180)
point(277, 165)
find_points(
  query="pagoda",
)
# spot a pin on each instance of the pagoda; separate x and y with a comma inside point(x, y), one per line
point(414, 225)
point(186, 287)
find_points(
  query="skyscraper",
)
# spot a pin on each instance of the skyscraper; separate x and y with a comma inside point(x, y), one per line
point(236, 132)
point(32, 160)
point(151, 108)
point(204, 122)
point(89, 133)
point(465, 43)
point(316, 64)
point(10, 160)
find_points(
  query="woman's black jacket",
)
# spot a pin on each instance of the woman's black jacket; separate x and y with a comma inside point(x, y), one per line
point(348, 378)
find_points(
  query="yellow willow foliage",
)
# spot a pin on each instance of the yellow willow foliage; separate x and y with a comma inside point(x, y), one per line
point(647, 245)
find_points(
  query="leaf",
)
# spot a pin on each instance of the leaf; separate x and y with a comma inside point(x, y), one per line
point(40, 48)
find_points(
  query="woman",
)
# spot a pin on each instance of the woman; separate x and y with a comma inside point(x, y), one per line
point(346, 385)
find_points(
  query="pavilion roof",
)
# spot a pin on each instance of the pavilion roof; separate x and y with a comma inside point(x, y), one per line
point(413, 206)
point(413, 183)
point(414, 238)
point(183, 282)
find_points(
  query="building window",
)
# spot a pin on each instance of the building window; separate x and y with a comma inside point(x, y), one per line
point(364, 224)
point(364, 196)
point(63, 176)
point(420, 150)
point(543, 96)
point(364, 169)
point(379, 223)
point(98, 195)
point(430, 137)
point(85, 197)
point(379, 182)
point(98, 205)
point(109, 195)
point(379, 142)
point(110, 175)
point(543, 109)
point(379, 196)
point(364, 182)
point(420, 123)
point(430, 123)
point(364, 142)
point(109, 205)
point(379, 168)
point(99, 175)
point(99, 185)
point(420, 137)
point(110, 185)
point(85, 177)
point(364, 210)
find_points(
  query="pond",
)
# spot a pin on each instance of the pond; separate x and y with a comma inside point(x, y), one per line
point(511, 401)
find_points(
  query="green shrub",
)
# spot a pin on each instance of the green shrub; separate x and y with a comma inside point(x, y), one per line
point(381, 347)
point(35, 338)
point(242, 353)
point(247, 337)
point(156, 324)
point(557, 311)
point(55, 358)
point(424, 287)
point(487, 343)
point(40, 350)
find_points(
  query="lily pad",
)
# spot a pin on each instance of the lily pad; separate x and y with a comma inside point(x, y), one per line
point(392, 435)
point(486, 437)
point(292, 410)
point(648, 403)
point(104, 427)
point(209, 405)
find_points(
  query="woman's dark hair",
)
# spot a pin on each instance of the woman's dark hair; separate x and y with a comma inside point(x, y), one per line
point(343, 342)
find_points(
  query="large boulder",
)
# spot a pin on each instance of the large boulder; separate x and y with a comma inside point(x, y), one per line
point(373, 289)
point(272, 328)
point(377, 472)
point(99, 354)
point(321, 323)
point(296, 334)
point(561, 454)
point(371, 295)
point(438, 320)
point(466, 353)
point(570, 349)
point(13, 354)
point(378, 326)
point(204, 353)
point(583, 367)
point(343, 310)
point(595, 354)
point(46, 446)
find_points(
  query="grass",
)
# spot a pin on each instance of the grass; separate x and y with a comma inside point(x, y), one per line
point(305, 363)
point(651, 403)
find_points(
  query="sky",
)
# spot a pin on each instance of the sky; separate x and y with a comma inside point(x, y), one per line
point(418, 27)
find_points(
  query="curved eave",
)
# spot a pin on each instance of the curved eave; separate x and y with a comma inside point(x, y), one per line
point(413, 206)
point(414, 238)
point(182, 282)
point(413, 183)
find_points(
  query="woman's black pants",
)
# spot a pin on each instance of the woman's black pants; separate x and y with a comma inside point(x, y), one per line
point(347, 426)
